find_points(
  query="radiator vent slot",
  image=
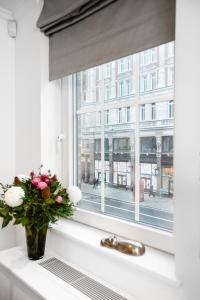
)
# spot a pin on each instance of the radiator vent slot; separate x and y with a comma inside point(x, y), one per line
point(84, 284)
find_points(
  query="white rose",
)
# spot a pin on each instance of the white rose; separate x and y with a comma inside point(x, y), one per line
point(74, 193)
point(14, 196)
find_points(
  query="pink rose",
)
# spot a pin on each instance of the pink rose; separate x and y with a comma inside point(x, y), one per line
point(36, 181)
point(46, 180)
point(41, 185)
point(59, 199)
point(44, 177)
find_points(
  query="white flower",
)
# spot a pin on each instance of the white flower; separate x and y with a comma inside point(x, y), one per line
point(14, 196)
point(23, 177)
point(74, 193)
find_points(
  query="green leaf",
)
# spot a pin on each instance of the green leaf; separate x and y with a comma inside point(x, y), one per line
point(6, 221)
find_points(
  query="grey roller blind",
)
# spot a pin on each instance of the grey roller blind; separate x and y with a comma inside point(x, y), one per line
point(83, 34)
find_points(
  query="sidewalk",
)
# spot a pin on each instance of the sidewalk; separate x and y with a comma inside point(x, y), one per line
point(161, 203)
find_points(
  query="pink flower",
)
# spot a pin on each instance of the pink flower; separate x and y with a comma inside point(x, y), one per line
point(46, 180)
point(43, 177)
point(36, 181)
point(59, 199)
point(41, 185)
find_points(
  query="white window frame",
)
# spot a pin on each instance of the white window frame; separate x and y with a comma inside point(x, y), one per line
point(150, 236)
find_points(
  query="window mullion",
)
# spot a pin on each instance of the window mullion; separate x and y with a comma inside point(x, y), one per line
point(102, 159)
point(137, 141)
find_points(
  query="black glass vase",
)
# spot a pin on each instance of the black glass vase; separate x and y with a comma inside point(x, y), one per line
point(35, 241)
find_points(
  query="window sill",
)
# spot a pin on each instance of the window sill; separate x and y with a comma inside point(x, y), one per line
point(156, 263)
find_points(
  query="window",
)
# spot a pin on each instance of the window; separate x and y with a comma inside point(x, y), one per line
point(142, 112)
point(154, 54)
point(119, 115)
point(148, 145)
point(107, 69)
point(149, 56)
point(125, 64)
point(146, 58)
point(121, 89)
point(167, 144)
point(171, 109)
point(129, 63)
point(153, 111)
point(121, 65)
point(107, 92)
point(126, 170)
point(128, 114)
point(153, 81)
point(107, 116)
point(144, 83)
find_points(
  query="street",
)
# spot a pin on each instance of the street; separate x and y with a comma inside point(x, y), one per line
point(154, 211)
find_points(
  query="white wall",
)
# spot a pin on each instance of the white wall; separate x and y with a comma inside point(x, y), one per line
point(7, 118)
point(7, 108)
point(37, 100)
point(28, 90)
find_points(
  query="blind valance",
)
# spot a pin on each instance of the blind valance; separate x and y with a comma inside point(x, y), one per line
point(83, 33)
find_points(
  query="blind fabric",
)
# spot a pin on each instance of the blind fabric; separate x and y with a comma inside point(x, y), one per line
point(92, 37)
point(60, 14)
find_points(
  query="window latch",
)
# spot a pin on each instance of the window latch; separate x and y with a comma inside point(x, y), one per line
point(125, 246)
point(128, 247)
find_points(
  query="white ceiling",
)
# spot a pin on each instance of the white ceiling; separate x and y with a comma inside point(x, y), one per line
point(12, 5)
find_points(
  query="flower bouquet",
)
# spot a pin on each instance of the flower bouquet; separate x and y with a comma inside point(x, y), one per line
point(35, 202)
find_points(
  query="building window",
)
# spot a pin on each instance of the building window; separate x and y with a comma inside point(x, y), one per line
point(171, 109)
point(107, 92)
point(153, 81)
point(121, 144)
point(153, 111)
point(144, 83)
point(148, 145)
point(128, 114)
point(142, 112)
point(149, 56)
point(121, 65)
point(119, 115)
point(107, 117)
point(167, 144)
point(154, 55)
point(129, 63)
point(107, 69)
point(123, 166)
point(121, 89)
point(146, 57)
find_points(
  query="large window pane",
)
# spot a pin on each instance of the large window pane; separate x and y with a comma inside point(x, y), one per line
point(124, 137)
